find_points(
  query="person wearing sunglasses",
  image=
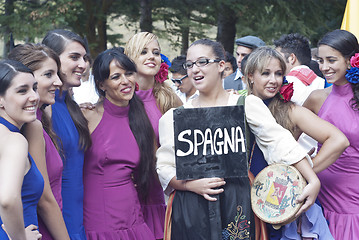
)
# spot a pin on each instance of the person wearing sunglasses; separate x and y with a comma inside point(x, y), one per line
point(182, 84)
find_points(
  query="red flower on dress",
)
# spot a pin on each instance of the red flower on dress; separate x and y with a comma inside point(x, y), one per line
point(286, 92)
point(162, 74)
point(354, 60)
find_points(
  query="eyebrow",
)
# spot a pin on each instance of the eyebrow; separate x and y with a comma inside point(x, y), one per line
point(22, 86)
point(75, 53)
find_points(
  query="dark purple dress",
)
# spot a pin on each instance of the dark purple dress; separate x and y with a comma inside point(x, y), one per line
point(112, 209)
point(54, 168)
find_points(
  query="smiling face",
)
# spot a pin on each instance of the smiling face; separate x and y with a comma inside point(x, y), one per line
point(48, 81)
point(72, 64)
point(208, 77)
point(148, 63)
point(120, 85)
point(332, 64)
point(267, 83)
point(20, 101)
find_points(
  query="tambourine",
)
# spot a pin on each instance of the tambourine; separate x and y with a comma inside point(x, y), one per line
point(274, 193)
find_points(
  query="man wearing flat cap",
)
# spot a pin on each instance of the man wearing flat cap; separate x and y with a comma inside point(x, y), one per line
point(245, 45)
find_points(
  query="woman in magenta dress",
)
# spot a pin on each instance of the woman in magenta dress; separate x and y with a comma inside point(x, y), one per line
point(143, 48)
point(21, 183)
point(121, 160)
point(43, 146)
point(339, 105)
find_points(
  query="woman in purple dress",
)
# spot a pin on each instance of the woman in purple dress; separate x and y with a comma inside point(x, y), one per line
point(339, 105)
point(121, 160)
point(43, 146)
point(143, 48)
point(21, 183)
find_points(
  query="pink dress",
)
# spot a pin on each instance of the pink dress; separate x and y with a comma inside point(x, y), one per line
point(339, 194)
point(111, 206)
point(54, 168)
point(154, 209)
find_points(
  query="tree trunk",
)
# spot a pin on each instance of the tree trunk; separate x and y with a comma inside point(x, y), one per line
point(226, 31)
point(96, 24)
point(146, 16)
point(9, 9)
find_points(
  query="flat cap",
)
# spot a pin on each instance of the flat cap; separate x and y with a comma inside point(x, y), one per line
point(250, 42)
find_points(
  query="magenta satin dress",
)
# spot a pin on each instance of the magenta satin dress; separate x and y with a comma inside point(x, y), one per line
point(54, 168)
point(339, 194)
point(154, 209)
point(112, 209)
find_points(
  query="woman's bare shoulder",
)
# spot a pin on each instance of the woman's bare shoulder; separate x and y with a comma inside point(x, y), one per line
point(316, 99)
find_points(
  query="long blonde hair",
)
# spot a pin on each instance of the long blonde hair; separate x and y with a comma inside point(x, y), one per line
point(165, 97)
point(257, 61)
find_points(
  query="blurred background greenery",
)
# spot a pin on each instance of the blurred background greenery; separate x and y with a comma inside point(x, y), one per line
point(107, 23)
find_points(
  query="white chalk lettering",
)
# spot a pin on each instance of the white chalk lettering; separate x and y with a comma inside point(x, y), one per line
point(197, 132)
point(208, 141)
point(222, 141)
point(219, 133)
point(181, 138)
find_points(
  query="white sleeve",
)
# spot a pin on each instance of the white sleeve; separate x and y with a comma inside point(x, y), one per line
point(166, 163)
point(277, 143)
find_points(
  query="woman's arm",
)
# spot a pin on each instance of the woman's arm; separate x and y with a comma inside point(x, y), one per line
point(333, 140)
point(279, 145)
point(310, 192)
point(48, 208)
point(13, 165)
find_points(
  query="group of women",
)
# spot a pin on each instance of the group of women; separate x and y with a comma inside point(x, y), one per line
point(101, 173)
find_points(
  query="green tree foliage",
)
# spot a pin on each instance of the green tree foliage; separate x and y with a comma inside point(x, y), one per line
point(183, 21)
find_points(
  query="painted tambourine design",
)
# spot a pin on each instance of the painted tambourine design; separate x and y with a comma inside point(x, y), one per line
point(274, 193)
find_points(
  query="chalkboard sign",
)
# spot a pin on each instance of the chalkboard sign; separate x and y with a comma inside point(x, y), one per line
point(210, 142)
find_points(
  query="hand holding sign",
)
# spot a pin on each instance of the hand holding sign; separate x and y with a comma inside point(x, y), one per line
point(206, 187)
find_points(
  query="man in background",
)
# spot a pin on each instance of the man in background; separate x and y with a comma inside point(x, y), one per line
point(245, 45)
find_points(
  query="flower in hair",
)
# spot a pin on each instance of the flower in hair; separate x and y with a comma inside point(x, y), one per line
point(165, 59)
point(354, 60)
point(352, 74)
point(162, 74)
point(286, 90)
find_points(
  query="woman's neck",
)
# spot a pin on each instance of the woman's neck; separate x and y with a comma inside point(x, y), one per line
point(145, 82)
point(212, 99)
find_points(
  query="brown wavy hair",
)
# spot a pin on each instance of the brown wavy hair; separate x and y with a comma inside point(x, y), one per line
point(257, 61)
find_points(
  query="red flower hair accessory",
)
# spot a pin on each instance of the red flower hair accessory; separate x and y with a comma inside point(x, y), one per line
point(286, 91)
point(354, 60)
point(352, 74)
point(137, 87)
point(162, 74)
